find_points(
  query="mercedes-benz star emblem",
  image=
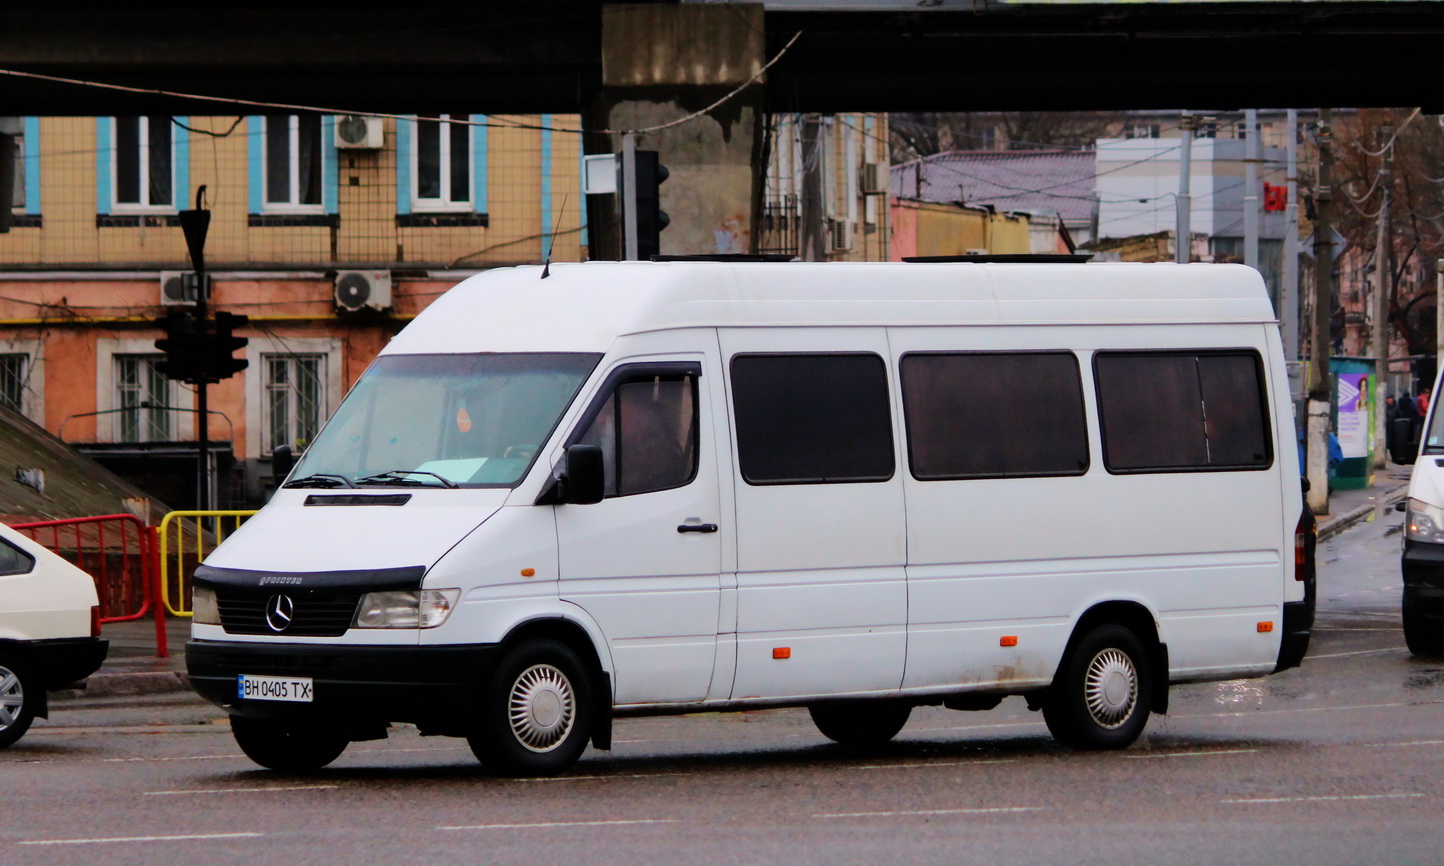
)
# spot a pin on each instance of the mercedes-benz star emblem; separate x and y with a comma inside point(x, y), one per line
point(279, 611)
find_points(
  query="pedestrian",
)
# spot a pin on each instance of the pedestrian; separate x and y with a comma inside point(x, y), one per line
point(1421, 403)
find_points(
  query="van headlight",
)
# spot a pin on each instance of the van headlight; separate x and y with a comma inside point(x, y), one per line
point(1424, 522)
point(203, 606)
point(424, 608)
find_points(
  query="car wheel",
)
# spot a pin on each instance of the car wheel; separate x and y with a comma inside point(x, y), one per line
point(860, 723)
point(19, 696)
point(536, 713)
point(1099, 699)
point(1423, 636)
point(286, 746)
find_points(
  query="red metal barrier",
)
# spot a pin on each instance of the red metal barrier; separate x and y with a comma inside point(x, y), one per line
point(119, 552)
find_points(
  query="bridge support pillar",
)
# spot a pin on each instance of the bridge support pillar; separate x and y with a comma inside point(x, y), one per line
point(661, 64)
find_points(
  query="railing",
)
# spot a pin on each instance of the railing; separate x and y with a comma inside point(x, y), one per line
point(183, 544)
point(118, 552)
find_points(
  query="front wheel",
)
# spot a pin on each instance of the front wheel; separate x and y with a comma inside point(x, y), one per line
point(1099, 699)
point(1424, 638)
point(861, 723)
point(287, 747)
point(19, 696)
point(536, 713)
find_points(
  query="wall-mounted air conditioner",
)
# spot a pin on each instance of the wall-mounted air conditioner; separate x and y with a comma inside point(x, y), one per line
point(358, 132)
point(839, 234)
point(358, 290)
point(874, 179)
point(181, 288)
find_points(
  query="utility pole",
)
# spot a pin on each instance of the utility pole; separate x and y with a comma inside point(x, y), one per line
point(629, 197)
point(194, 224)
point(1250, 188)
point(1289, 289)
point(813, 245)
point(1182, 235)
point(1316, 442)
point(1383, 274)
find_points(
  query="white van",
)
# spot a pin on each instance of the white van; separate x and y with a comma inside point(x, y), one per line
point(49, 630)
point(1423, 557)
point(663, 487)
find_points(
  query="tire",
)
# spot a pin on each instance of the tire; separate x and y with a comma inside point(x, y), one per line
point(1424, 637)
point(287, 747)
point(860, 723)
point(19, 696)
point(1099, 699)
point(536, 713)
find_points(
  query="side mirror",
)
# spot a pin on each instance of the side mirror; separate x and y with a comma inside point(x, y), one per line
point(586, 475)
point(282, 462)
point(1401, 506)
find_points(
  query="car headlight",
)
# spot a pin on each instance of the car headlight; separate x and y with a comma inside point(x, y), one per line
point(1424, 522)
point(424, 608)
point(203, 606)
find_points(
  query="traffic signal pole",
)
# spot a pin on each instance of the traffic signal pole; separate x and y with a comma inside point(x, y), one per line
point(195, 223)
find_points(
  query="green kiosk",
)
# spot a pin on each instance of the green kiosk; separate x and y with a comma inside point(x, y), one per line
point(1355, 382)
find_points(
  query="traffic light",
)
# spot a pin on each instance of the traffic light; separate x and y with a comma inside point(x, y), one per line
point(181, 345)
point(222, 346)
point(651, 219)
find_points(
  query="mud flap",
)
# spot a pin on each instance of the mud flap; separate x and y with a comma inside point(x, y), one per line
point(1158, 701)
point(602, 714)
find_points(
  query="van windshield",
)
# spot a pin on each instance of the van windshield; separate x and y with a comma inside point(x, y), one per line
point(444, 421)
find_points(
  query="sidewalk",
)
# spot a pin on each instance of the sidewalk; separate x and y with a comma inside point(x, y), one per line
point(132, 667)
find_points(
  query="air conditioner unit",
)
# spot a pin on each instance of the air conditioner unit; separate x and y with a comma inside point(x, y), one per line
point(358, 132)
point(839, 234)
point(874, 179)
point(181, 288)
point(357, 290)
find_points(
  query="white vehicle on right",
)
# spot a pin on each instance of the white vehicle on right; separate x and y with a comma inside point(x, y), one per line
point(1423, 559)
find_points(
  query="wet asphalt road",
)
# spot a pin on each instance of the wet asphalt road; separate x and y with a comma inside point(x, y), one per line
point(1339, 761)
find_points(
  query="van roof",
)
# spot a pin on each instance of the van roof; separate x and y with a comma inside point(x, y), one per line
point(585, 307)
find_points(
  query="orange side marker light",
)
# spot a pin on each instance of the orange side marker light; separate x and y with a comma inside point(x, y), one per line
point(1265, 627)
point(1008, 640)
point(782, 652)
point(528, 572)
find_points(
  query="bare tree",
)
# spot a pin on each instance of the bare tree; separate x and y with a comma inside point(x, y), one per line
point(919, 134)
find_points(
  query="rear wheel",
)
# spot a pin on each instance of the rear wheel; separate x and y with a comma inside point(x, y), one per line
point(860, 723)
point(19, 696)
point(536, 714)
point(1424, 637)
point(1099, 699)
point(285, 746)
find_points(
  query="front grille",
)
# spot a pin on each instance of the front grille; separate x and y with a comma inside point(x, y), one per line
point(315, 614)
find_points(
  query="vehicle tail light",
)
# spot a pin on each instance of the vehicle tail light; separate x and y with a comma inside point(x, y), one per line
point(95, 620)
point(1301, 547)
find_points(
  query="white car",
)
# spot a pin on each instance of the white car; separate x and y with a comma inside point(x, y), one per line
point(49, 630)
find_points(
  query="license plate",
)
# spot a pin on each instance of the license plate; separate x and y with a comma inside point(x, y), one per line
point(259, 688)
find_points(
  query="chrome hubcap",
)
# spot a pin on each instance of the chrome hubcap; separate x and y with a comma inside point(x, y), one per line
point(12, 698)
point(1110, 688)
point(542, 708)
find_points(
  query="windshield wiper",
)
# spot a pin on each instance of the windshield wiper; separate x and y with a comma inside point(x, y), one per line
point(398, 477)
point(321, 479)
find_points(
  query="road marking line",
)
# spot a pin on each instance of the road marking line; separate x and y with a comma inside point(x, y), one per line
point(1410, 743)
point(922, 766)
point(616, 776)
point(560, 824)
point(981, 811)
point(243, 790)
point(1318, 799)
point(1307, 710)
point(158, 760)
point(141, 839)
point(1193, 754)
point(1356, 653)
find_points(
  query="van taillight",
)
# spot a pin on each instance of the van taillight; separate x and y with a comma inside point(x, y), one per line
point(95, 620)
point(1301, 554)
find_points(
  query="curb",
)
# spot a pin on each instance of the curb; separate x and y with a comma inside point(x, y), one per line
point(1335, 525)
point(114, 685)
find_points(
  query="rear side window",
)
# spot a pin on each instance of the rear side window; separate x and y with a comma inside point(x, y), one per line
point(998, 414)
point(812, 419)
point(1182, 411)
point(13, 560)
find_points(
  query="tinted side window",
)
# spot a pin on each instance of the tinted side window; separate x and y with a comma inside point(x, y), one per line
point(647, 430)
point(1165, 411)
point(812, 419)
point(995, 414)
point(13, 560)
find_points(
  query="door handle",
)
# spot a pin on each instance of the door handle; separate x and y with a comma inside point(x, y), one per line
point(697, 527)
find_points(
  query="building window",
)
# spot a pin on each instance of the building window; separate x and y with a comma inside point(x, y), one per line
point(442, 163)
point(1182, 411)
point(14, 368)
point(295, 399)
point(812, 419)
point(292, 167)
point(1005, 414)
point(17, 201)
point(144, 163)
point(144, 398)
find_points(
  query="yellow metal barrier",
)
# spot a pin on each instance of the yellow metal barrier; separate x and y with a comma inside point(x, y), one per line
point(173, 555)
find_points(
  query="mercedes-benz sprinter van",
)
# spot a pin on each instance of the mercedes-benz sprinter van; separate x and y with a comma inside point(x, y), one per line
point(639, 488)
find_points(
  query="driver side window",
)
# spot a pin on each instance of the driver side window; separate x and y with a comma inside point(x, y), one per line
point(647, 430)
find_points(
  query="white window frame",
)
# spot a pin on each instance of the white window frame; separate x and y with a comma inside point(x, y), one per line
point(17, 199)
point(293, 156)
point(143, 157)
point(293, 407)
point(256, 376)
point(107, 393)
point(32, 403)
point(444, 204)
